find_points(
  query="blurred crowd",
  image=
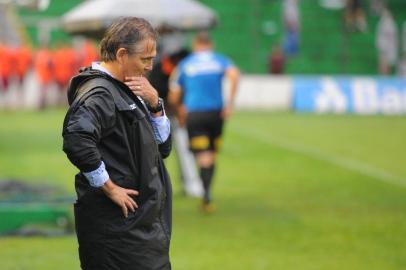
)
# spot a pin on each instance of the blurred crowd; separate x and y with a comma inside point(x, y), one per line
point(51, 67)
point(390, 40)
point(391, 49)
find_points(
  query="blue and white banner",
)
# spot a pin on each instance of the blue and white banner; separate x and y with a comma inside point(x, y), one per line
point(360, 95)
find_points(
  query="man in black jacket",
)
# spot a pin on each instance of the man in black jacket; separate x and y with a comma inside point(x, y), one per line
point(116, 133)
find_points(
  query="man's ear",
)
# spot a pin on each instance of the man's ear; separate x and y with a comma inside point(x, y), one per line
point(121, 55)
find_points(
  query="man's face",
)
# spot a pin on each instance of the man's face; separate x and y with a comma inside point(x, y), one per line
point(140, 62)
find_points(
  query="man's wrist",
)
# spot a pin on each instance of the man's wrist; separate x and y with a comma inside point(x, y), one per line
point(159, 106)
point(108, 186)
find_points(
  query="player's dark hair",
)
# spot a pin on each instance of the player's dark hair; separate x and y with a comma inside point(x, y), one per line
point(203, 37)
point(125, 33)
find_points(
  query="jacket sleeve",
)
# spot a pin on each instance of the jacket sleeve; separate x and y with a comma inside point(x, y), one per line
point(84, 127)
point(165, 147)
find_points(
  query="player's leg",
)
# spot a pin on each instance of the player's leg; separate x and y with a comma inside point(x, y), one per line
point(206, 163)
point(205, 130)
point(199, 143)
point(215, 128)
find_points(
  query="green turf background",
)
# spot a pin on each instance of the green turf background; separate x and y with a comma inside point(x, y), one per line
point(293, 192)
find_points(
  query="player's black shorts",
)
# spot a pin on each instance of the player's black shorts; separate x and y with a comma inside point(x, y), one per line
point(204, 130)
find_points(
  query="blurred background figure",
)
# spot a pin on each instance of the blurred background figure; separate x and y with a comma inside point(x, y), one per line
point(403, 38)
point(276, 60)
point(44, 70)
point(291, 22)
point(23, 63)
point(196, 91)
point(377, 6)
point(402, 66)
point(66, 64)
point(355, 16)
point(159, 76)
point(88, 53)
point(386, 42)
point(6, 67)
point(402, 62)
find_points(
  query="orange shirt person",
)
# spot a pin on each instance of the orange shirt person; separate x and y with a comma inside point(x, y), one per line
point(44, 66)
point(23, 61)
point(6, 66)
point(89, 54)
point(44, 72)
point(65, 65)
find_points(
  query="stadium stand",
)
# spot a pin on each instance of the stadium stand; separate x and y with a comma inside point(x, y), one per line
point(248, 29)
point(325, 45)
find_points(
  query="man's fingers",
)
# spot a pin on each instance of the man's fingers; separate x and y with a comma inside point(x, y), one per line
point(131, 192)
point(133, 202)
point(136, 91)
point(125, 210)
point(134, 80)
point(130, 201)
point(133, 85)
point(130, 205)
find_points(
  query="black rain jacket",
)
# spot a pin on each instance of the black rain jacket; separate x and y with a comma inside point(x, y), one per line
point(106, 122)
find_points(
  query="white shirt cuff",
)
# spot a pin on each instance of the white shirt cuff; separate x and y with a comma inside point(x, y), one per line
point(161, 126)
point(98, 177)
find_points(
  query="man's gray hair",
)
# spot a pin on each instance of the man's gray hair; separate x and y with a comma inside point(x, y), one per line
point(125, 33)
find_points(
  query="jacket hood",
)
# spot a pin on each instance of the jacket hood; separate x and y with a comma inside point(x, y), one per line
point(84, 75)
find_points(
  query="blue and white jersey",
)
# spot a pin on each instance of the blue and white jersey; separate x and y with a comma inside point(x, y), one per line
point(200, 77)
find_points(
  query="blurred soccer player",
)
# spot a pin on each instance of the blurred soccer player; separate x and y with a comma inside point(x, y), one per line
point(159, 78)
point(196, 91)
point(6, 66)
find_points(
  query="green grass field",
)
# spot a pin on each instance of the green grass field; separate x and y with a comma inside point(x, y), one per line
point(293, 192)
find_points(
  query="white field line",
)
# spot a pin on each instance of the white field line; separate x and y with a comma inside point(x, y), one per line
point(311, 151)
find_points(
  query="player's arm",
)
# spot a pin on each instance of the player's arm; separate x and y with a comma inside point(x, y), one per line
point(175, 97)
point(233, 76)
